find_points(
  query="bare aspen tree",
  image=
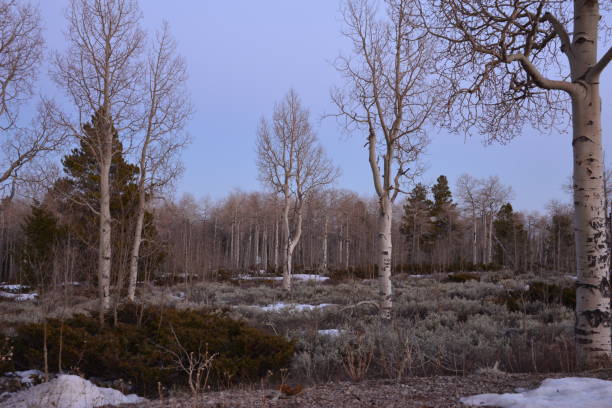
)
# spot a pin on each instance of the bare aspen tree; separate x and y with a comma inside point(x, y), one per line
point(100, 73)
point(22, 144)
point(167, 107)
point(293, 164)
point(388, 97)
point(520, 62)
point(491, 196)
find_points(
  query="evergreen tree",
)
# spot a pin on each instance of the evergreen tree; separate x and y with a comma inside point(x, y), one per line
point(416, 221)
point(78, 195)
point(441, 209)
point(508, 233)
point(41, 234)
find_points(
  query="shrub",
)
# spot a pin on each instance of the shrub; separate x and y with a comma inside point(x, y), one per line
point(142, 348)
point(539, 292)
point(461, 278)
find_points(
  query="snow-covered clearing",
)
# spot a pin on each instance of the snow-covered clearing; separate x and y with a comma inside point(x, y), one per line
point(297, 276)
point(331, 332)
point(571, 392)
point(19, 297)
point(28, 377)
point(68, 391)
point(13, 288)
point(277, 307)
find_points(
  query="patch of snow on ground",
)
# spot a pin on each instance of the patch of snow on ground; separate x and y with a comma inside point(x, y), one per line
point(330, 332)
point(571, 392)
point(69, 391)
point(19, 297)
point(276, 307)
point(13, 288)
point(305, 276)
point(28, 377)
point(297, 276)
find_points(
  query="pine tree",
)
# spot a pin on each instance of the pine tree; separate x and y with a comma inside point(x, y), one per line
point(416, 221)
point(78, 196)
point(441, 209)
point(42, 233)
point(508, 231)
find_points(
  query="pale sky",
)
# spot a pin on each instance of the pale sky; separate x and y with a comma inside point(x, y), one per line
point(244, 55)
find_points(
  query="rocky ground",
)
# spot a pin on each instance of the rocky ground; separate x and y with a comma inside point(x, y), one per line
point(423, 392)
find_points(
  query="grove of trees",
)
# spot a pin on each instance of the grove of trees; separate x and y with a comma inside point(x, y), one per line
point(110, 154)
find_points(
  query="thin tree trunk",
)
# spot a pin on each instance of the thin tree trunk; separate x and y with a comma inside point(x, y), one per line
point(474, 240)
point(288, 251)
point(324, 261)
point(104, 252)
point(592, 259)
point(276, 244)
point(384, 256)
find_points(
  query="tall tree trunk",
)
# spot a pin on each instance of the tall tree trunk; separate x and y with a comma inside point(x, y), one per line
point(288, 251)
point(276, 244)
point(384, 256)
point(346, 257)
point(592, 258)
point(256, 258)
point(104, 251)
point(324, 260)
point(474, 240)
point(264, 248)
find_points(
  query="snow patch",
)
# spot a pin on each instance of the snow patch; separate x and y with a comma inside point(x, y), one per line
point(28, 377)
point(331, 332)
point(297, 276)
point(69, 391)
point(13, 288)
point(19, 297)
point(277, 307)
point(571, 392)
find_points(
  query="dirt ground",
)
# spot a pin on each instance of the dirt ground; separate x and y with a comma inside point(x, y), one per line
point(419, 392)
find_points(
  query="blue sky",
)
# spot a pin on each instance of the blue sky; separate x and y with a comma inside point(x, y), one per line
point(244, 55)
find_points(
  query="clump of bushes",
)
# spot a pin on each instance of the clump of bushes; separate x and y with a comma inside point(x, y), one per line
point(353, 272)
point(148, 345)
point(539, 292)
point(461, 278)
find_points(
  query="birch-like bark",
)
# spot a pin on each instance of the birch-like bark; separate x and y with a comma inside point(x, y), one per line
point(104, 250)
point(592, 257)
point(384, 257)
point(276, 243)
point(324, 260)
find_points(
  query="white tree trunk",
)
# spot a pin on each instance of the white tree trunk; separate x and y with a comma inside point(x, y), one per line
point(592, 258)
point(324, 260)
point(474, 240)
point(135, 254)
point(264, 249)
point(104, 251)
point(384, 256)
point(288, 251)
point(276, 245)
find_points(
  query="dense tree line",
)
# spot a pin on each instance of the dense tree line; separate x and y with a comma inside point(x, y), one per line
point(202, 240)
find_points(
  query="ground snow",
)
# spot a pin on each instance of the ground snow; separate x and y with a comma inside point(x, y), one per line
point(276, 307)
point(28, 377)
point(297, 276)
point(330, 332)
point(19, 297)
point(13, 288)
point(569, 392)
point(68, 391)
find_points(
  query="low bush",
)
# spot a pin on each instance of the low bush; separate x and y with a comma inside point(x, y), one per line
point(147, 347)
point(516, 300)
point(461, 278)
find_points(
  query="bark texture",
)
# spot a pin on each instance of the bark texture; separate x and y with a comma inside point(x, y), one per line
point(592, 256)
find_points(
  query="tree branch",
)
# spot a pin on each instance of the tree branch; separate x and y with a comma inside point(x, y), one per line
point(600, 66)
point(540, 79)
